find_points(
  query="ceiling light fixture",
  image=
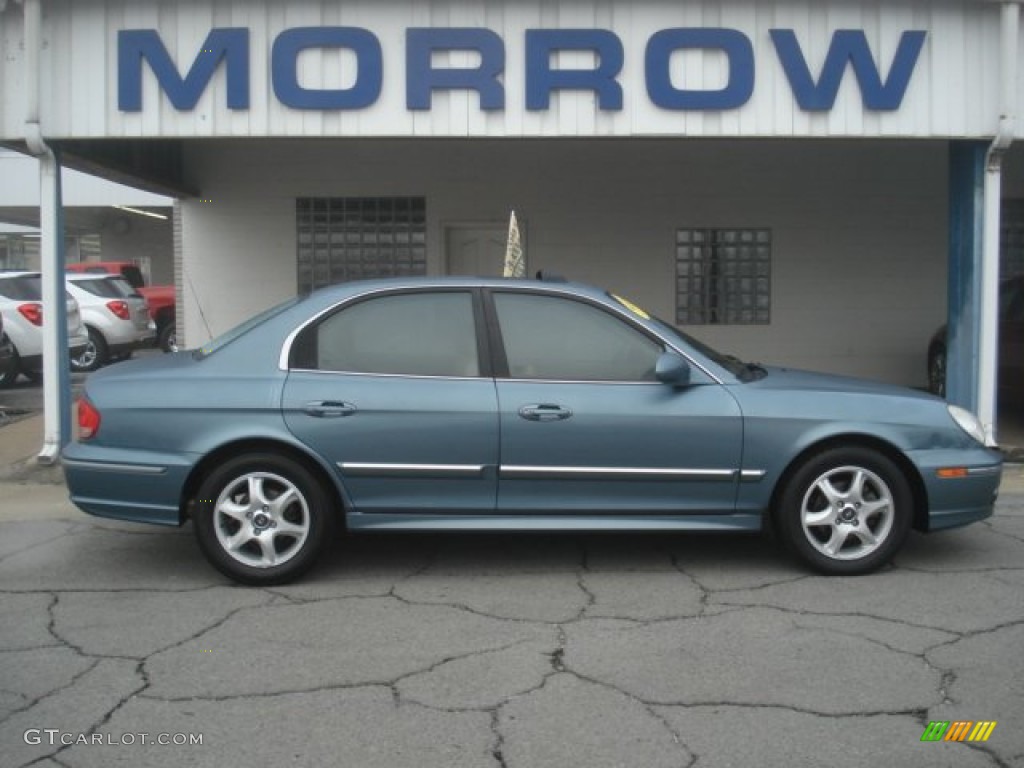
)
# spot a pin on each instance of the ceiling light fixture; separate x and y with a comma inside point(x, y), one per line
point(141, 212)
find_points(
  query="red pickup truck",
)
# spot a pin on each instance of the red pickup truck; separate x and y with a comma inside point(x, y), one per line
point(159, 297)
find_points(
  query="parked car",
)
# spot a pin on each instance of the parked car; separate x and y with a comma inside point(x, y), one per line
point(476, 404)
point(1011, 346)
point(161, 298)
point(116, 319)
point(22, 309)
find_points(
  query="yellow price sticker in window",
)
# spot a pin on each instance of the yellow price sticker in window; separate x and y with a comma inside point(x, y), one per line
point(631, 307)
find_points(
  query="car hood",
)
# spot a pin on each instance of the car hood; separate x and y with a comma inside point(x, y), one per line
point(811, 381)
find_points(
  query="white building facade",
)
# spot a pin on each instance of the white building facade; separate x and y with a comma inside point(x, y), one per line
point(806, 183)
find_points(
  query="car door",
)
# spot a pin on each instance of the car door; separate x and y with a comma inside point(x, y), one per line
point(586, 428)
point(394, 390)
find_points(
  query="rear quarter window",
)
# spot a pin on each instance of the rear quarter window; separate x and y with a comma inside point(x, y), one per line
point(21, 288)
point(98, 287)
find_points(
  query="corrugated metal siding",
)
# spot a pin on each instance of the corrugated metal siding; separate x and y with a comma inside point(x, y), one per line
point(952, 93)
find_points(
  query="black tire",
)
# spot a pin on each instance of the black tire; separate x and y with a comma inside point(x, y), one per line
point(292, 535)
point(857, 506)
point(9, 375)
point(937, 370)
point(95, 354)
point(167, 339)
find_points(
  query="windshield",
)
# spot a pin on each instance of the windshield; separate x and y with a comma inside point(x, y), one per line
point(226, 338)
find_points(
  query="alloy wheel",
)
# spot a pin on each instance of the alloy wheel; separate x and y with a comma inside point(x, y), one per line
point(261, 520)
point(847, 513)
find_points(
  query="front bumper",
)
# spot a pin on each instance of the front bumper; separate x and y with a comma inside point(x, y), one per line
point(965, 498)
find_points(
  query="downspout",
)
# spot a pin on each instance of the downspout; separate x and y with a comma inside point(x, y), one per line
point(56, 375)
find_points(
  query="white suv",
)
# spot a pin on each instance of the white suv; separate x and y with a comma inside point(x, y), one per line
point(22, 307)
point(116, 318)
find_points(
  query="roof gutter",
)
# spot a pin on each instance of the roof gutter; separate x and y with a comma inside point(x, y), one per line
point(56, 375)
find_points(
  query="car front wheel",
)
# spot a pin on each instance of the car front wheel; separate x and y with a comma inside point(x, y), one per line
point(262, 518)
point(845, 511)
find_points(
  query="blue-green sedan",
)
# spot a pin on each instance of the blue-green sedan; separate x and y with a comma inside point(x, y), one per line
point(474, 404)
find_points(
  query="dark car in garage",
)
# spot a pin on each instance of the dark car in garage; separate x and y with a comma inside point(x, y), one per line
point(1011, 346)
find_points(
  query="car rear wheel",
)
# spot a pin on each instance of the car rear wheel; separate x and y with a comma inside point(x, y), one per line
point(93, 356)
point(262, 518)
point(9, 375)
point(845, 511)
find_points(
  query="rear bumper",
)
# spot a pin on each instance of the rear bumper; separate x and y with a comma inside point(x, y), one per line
point(136, 485)
point(35, 362)
point(121, 346)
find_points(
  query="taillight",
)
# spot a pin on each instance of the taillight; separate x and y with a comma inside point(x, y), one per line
point(32, 312)
point(88, 419)
point(120, 309)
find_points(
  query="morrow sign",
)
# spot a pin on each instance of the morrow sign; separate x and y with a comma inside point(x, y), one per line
point(665, 84)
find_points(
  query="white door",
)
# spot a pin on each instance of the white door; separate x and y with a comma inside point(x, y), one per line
point(477, 250)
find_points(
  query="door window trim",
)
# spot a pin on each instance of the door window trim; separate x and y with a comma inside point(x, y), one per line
point(498, 342)
point(501, 370)
point(289, 348)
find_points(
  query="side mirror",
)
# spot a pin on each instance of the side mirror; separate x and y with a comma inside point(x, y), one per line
point(672, 369)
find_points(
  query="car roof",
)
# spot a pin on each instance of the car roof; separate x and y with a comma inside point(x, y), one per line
point(554, 285)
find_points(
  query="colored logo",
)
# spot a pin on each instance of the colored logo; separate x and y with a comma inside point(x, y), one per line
point(958, 730)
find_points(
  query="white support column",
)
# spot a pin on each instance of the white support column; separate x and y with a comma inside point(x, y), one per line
point(55, 345)
point(56, 376)
point(988, 361)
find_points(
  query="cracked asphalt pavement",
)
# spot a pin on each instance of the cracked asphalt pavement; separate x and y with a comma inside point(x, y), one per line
point(520, 651)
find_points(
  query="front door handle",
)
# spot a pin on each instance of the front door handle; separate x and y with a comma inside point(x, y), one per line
point(329, 409)
point(544, 412)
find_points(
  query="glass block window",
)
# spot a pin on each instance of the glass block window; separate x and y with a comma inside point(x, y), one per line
point(350, 238)
point(723, 276)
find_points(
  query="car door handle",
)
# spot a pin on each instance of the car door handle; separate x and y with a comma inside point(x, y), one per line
point(544, 412)
point(329, 409)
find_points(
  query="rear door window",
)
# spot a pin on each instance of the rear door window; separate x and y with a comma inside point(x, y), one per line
point(415, 334)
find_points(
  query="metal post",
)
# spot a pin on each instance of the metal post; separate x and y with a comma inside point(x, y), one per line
point(56, 373)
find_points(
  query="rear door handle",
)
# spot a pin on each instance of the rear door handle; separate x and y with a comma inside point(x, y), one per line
point(329, 409)
point(544, 412)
